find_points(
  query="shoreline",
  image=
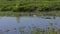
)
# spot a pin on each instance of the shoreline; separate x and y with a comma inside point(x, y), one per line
point(52, 13)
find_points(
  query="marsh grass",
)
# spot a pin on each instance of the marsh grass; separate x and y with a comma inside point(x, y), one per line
point(56, 13)
point(12, 5)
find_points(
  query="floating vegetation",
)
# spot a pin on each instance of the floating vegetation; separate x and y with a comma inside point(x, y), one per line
point(14, 28)
point(7, 30)
point(50, 23)
point(38, 30)
point(1, 32)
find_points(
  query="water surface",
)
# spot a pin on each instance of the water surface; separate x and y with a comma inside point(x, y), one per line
point(11, 25)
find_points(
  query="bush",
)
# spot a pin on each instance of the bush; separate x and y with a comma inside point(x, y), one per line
point(32, 9)
point(6, 8)
point(47, 9)
point(23, 9)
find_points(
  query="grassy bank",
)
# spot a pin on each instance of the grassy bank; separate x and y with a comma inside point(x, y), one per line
point(29, 7)
point(55, 13)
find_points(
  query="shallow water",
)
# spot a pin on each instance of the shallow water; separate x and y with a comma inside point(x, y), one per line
point(11, 25)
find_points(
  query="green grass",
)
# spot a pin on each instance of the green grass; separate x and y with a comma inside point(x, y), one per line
point(14, 4)
point(55, 13)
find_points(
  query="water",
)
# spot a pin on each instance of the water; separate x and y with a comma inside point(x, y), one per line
point(11, 25)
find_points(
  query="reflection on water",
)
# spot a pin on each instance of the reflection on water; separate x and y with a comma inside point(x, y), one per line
point(29, 24)
point(17, 19)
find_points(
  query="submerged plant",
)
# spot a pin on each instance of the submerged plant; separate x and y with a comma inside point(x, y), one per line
point(7, 30)
point(1, 32)
point(37, 30)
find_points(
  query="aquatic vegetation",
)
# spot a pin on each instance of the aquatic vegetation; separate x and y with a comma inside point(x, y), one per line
point(38, 30)
point(21, 29)
point(1, 32)
point(7, 30)
point(14, 28)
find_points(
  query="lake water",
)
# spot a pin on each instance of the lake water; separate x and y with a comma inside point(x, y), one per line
point(12, 24)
